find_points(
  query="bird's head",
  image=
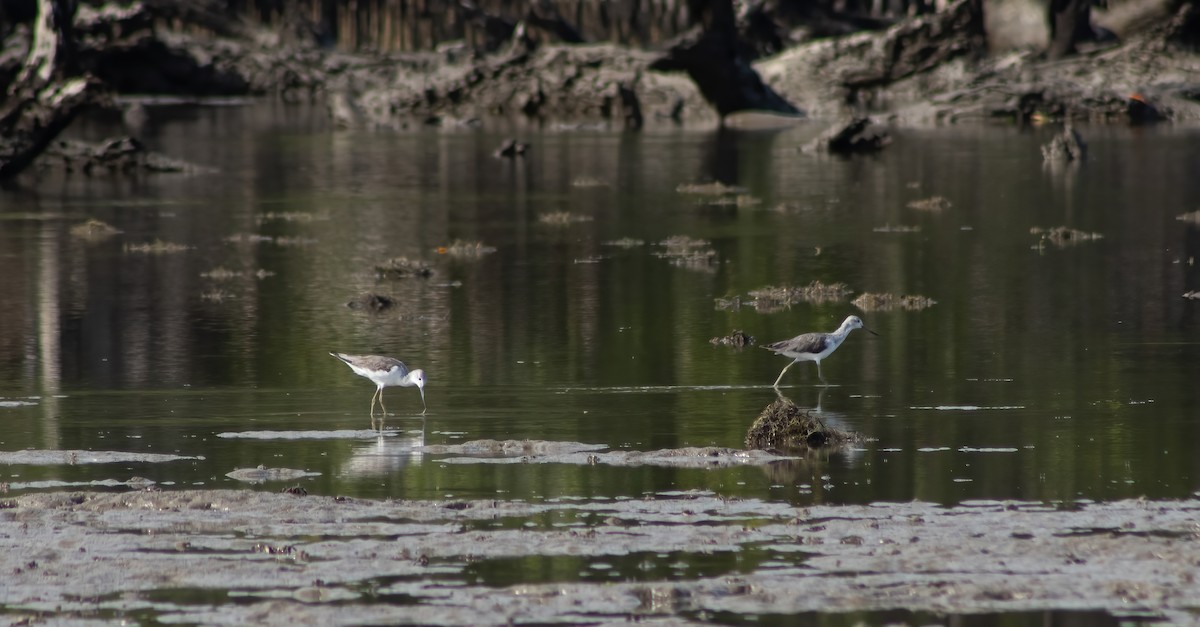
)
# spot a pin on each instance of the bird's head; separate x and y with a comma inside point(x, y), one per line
point(417, 377)
point(854, 322)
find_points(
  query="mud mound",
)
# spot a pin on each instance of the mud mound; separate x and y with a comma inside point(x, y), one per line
point(737, 339)
point(785, 426)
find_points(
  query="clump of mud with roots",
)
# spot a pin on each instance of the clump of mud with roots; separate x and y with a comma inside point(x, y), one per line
point(785, 426)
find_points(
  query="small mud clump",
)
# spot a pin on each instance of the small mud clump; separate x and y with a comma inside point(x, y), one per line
point(94, 230)
point(403, 267)
point(510, 149)
point(897, 228)
point(783, 425)
point(933, 204)
point(854, 136)
point(296, 490)
point(738, 338)
point(1062, 236)
point(372, 302)
point(461, 249)
point(688, 252)
point(1191, 216)
point(888, 302)
point(157, 247)
point(716, 188)
point(562, 217)
point(289, 216)
point(589, 181)
point(1065, 146)
point(625, 242)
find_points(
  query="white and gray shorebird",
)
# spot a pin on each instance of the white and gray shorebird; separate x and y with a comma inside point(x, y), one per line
point(385, 372)
point(815, 346)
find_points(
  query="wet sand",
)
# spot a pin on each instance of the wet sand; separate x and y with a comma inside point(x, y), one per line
point(240, 556)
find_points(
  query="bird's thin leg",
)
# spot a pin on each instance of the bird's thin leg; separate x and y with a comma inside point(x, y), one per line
point(381, 407)
point(785, 369)
point(819, 375)
point(373, 409)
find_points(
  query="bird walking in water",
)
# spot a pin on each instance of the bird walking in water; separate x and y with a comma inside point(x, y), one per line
point(385, 372)
point(815, 346)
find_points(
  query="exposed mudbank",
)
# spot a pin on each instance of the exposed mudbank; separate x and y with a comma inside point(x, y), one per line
point(928, 68)
point(267, 557)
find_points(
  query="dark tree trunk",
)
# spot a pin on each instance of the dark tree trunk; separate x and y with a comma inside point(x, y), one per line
point(543, 16)
point(1184, 28)
point(52, 52)
point(712, 58)
point(921, 44)
point(43, 98)
point(1070, 24)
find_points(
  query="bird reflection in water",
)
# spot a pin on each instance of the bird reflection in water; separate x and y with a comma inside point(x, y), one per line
point(389, 453)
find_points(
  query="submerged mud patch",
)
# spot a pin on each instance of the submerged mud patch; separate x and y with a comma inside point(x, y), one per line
point(71, 457)
point(52, 484)
point(687, 457)
point(511, 448)
point(339, 434)
point(262, 474)
point(241, 557)
point(773, 298)
point(577, 453)
point(888, 302)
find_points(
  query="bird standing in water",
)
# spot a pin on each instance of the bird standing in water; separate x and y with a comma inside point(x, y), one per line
point(384, 372)
point(815, 346)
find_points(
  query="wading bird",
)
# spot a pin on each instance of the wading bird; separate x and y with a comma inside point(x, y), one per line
point(384, 372)
point(815, 346)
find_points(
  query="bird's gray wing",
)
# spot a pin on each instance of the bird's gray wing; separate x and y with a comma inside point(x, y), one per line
point(807, 343)
point(373, 362)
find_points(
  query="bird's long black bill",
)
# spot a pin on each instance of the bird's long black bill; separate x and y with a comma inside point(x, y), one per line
point(870, 331)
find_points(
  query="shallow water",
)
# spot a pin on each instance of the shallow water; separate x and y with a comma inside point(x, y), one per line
point(1042, 372)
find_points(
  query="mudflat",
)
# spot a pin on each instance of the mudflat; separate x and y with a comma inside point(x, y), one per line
point(243, 556)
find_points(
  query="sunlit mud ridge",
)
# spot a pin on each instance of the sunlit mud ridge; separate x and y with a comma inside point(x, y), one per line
point(254, 557)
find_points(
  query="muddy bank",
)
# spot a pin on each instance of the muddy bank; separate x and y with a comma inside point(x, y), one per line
point(928, 69)
point(237, 557)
